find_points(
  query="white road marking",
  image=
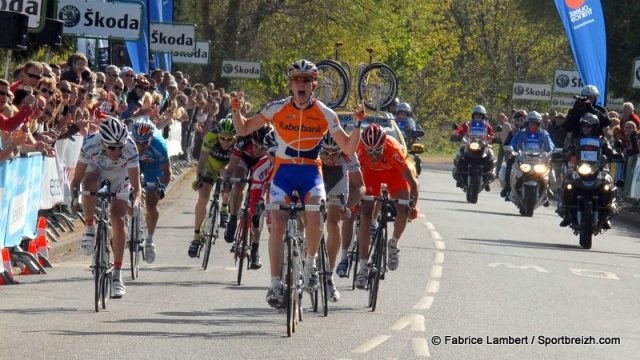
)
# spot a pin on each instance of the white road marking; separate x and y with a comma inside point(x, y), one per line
point(636, 276)
point(430, 226)
point(422, 216)
point(436, 271)
point(440, 245)
point(433, 286)
point(519, 267)
point(371, 344)
point(435, 235)
point(229, 268)
point(595, 274)
point(416, 321)
point(424, 303)
point(420, 347)
point(438, 257)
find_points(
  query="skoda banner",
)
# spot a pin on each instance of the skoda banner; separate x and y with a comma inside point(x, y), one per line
point(102, 20)
point(200, 56)
point(636, 73)
point(585, 27)
point(172, 37)
point(241, 69)
point(531, 91)
point(567, 81)
point(562, 102)
point(33, 9)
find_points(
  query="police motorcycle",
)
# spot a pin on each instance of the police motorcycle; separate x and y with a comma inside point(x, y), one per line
point(530, 175)
point(475, 152)
point(589, 190)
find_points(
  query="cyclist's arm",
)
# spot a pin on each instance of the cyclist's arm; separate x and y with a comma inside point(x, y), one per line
point(202, 161)
point(413, 184)
point(356, 188)
point(166, 173)
point(134, 177)
point(349, 143)
point(233, 163)
point(78, 175)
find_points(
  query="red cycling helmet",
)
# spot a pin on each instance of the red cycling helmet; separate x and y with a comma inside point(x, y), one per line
point(373, 136)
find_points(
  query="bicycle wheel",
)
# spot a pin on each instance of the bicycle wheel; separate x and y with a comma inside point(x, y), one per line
point(377, 86)
point(333, 83)
point(354, 253)
point(208, 230)
point(378, 266)
point(290, 289)
point(133, 247)
point(241, 243)
point(97, 271)
point(324, 277)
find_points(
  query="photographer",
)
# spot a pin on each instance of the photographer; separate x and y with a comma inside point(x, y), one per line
point(586, 103)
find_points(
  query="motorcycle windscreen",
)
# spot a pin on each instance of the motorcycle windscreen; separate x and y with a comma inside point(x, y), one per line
point(589, 149)
point(533, 143)
point(477, 129)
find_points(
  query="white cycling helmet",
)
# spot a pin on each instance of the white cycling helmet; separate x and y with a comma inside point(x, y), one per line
point(590, 91)
point(535, 117)
point(479, 109)
point(404, 107)
point(113, 131)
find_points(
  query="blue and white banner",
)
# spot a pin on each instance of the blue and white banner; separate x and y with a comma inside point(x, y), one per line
point(584, 24)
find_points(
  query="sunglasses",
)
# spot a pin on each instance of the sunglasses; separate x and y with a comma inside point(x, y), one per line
point(118, 88)
point(129, 75)
point(2, 93)
point(145, 88)
point(47, 112)
point(112, 74)
point(34, 76)
point(45, 91)
point(100, 81)
point(224, 138)
point(302, 79)
point(47, 76)
point(330, 152)
point(113, 148)
point(375, 151)
point(66, 91)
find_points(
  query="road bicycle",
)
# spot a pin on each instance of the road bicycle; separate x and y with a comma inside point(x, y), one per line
point(243, 232)
point(209, 231)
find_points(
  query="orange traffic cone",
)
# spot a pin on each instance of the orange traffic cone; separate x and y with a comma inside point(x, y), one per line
point(33, 250)
point(42, 243)
point(8, 270)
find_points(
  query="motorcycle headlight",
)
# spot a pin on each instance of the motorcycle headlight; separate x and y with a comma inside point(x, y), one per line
point(474, 146)
point(585, 169)
point(540, 168)
point(525, 168)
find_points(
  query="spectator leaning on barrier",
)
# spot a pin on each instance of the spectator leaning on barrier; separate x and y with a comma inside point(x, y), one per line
point(629, 115)
point(630, 141)
point(29, 75)
point(111, 73)
point(76, 65)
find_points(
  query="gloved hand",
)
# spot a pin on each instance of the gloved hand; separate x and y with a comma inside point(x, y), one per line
point(161, 190)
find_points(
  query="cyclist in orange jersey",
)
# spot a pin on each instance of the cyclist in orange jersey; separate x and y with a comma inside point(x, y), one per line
point(299, 123)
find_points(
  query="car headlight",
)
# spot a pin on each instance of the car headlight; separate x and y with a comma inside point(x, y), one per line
point(474, 146)
point(585, 169)
point(540, 168)
point(525, 168)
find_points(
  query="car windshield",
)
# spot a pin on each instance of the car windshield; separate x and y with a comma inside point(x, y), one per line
point(347, 122)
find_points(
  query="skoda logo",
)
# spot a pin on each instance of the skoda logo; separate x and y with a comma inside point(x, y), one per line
point(518, 90)
point(228, 68)
point(562, 81)
point(638, 74)
point(70, 15)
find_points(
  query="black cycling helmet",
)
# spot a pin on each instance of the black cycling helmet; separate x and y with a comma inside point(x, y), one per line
point(258, 135)
point(590, 119)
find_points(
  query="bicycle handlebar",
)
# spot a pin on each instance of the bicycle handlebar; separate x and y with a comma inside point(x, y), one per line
point(102, 194)
point(298, 207)
point(391, 200)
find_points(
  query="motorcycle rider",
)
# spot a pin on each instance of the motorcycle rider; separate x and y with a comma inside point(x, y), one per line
point(406, 122)
point(531, 135)
point(460, 162)
point(589, 127)
point(584, 104)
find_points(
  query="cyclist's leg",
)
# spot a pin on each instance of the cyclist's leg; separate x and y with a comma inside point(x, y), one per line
point(119, 208)
point(235, 199)
point(333, 233)
point(201, 205)
point(90, 182)
point(151, 202)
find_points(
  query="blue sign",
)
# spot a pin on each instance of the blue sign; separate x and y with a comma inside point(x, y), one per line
point(584, 24)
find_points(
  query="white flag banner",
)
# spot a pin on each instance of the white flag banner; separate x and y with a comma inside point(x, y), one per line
point(68, 152)
point(52, 184)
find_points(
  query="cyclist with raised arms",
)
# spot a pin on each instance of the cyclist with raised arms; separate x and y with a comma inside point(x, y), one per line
point(156, 170)
point(339, 171)
point(109, 155)
point(214, 156)
point(299, 123)
point(382, 161)
point(246, 153)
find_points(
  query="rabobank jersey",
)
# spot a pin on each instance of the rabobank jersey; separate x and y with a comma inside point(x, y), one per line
point(299, 131)
point(156, 154)
point(93, 153)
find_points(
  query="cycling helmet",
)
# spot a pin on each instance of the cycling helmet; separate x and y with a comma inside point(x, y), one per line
point(590, 91)
point(303, 68)
point(328, 142)
point(113, 131)
point(404, 107)
point(479, 109)
point(142, 130)
point(590, 119)
point(535, 117)
point(519, 113)
point(373, 136)
point(269, 141)
point(258, 135)
point(226, 125)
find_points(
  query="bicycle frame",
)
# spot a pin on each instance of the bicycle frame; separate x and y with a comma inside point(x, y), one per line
point(209, 230)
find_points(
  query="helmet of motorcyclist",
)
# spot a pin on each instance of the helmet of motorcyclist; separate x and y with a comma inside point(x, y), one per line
point(534, 120)
point(589, 124)
point(404, 108)
point(590, 91)
point(373, 137)
point(113, 132)
point(142, 130)
point(479, 109)
point(303, 68)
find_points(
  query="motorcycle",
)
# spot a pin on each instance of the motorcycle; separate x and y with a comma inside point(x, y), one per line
point(477, 173)
point(530, 177)
point(588, 191)
point(416, 149)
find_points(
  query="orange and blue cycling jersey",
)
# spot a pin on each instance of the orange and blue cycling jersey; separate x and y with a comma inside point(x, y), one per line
point(387, 169)
point(298, 133)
